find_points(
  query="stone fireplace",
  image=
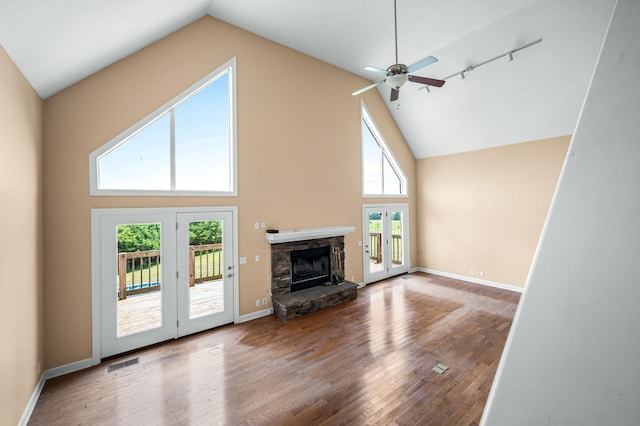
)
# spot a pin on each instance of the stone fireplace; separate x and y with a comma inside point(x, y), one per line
point(307, 270)
point(292, 264)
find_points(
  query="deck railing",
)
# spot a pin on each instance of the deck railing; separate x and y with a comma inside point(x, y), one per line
point(205, 263)
point(142, 269)
point(375, 248)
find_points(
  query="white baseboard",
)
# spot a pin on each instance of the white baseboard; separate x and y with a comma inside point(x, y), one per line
point(68, 368)
point(26, 415)
point(474, 280)
point(255, 315)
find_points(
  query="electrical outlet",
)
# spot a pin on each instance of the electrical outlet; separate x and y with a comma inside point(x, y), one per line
point(482, 274)
point(471, 272)
point(264, 301)
point(257, 303)
point(257, 258)
point(264, 225)
point(257, 225)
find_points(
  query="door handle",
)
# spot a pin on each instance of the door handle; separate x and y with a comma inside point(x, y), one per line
point(230, 276)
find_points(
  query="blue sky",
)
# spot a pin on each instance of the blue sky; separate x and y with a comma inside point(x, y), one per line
point(202, 147)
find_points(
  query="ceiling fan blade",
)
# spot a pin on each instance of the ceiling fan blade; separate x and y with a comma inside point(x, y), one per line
point(374, 69)
point(426, 80)
point(422, 63)
point(394, 94)
point(371, 86)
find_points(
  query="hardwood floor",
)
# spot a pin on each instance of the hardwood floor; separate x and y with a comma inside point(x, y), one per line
point(364, 362)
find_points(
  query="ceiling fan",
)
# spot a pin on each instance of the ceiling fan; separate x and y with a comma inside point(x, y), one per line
point(398, 74)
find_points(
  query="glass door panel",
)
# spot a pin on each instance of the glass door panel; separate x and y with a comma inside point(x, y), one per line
point(386, 241)
point(205, 271)
point(138, 293)
point(375, 237)
point(206, 292)
point(397, 246)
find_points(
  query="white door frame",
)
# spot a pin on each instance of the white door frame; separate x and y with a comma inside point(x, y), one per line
point(96, 256)
point(387, 208)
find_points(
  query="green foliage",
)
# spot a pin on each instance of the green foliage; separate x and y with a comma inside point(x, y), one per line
point(138, 237)
point(207, 232)
point(376, 226)
point(147, 236)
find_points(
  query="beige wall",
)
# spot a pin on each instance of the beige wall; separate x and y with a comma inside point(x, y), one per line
point(20, 241)
point(298, 149)
point(484, 210)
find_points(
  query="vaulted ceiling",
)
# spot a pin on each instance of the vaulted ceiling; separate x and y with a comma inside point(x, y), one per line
point(56, 43)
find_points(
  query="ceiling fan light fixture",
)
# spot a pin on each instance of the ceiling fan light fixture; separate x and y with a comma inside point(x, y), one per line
point(397, 81)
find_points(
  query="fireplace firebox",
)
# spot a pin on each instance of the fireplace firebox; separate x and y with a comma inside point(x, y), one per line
point(310, 267)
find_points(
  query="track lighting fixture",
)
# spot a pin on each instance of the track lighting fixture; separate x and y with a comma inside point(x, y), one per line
point(508, 54)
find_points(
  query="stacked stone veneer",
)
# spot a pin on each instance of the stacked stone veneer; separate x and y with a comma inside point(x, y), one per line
point(288, 305)
point(281, 262)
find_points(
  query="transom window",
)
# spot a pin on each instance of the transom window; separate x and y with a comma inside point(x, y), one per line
point(186, 147)
point(381, 174)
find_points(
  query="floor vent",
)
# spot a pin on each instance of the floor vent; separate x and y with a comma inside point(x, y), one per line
point(406, 277)
point(123, 364)
point(440, 368)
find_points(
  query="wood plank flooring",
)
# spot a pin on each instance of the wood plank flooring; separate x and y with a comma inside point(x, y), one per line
point(366, 362)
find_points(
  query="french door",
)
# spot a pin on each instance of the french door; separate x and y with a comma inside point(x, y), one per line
point(386, 241)
point(161, 274)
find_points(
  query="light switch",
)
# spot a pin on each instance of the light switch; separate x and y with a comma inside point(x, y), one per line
point(243, 260)
point(257, 258)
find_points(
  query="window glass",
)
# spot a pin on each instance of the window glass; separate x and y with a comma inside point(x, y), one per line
point(141, 163)
point(381, 174)
point(185, 147)
point(371, 160)
point(202, 139)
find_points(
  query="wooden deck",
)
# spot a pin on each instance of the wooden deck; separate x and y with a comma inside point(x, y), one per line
point(142, 311)
point(365, 362)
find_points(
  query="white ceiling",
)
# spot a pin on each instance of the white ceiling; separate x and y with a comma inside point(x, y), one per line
point(56, 43)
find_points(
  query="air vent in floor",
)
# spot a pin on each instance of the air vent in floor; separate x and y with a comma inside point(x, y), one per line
point(123, 364)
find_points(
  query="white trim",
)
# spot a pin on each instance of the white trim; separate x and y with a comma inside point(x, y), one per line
point(308, 234)
point(28, 410)
point(230, 67)
point(96, 301)
point(68, 368)
point(254, 315)
point(474, 280)
point(50, 374)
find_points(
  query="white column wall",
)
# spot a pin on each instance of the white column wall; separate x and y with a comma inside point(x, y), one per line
point(573, 354)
